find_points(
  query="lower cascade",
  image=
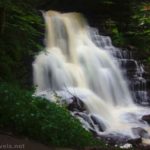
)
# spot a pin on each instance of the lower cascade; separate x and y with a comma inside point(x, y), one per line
point(79, 66)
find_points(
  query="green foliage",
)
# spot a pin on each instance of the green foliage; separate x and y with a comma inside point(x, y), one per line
point(20, 26)
point(148, 60)
point(139, 29)
point(117, 36)
point(40, 119)
point(128, 23)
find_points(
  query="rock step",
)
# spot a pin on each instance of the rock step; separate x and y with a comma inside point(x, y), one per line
point(138, 85)
point(128, 64)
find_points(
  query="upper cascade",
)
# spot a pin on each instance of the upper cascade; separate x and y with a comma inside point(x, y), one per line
point(71, 59)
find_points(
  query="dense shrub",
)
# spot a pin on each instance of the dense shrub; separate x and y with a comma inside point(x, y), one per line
point(40, 119)
point(139, 29)
point(21, 35)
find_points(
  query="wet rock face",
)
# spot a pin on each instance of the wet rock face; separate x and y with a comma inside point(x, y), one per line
point(138, 82)
point(99, 124)
point(85, 117)
point(130, 64)
point(146, 118)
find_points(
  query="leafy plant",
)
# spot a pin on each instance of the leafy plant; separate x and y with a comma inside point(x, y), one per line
point(20, 39)
point(40, 119)
point(116, 35)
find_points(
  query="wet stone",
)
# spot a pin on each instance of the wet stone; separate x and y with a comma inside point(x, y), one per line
point(76, 105)
point(146, 118)
point(140, 132)
point(115, 139)
point(129, 64)
point(85, 117)
point(99, 123)
point(135, 142)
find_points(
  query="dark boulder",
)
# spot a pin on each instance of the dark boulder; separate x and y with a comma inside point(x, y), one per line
point(135, 142)
point(76, 105)
point(129, 64)
point(140, 132)
point(146, 118)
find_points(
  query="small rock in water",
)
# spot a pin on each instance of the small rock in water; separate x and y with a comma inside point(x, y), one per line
point(146, 118)
point(99, 123)
point(140, 132)
point(85, 117)
point(76, 105)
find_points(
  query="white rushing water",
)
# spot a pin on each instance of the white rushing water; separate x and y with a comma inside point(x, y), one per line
point(72, 64)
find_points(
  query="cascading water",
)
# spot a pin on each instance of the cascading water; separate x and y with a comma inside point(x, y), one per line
point(130, 67)
point(79, 62)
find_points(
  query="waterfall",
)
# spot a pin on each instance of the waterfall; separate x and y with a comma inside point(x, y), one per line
point(79, 62)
